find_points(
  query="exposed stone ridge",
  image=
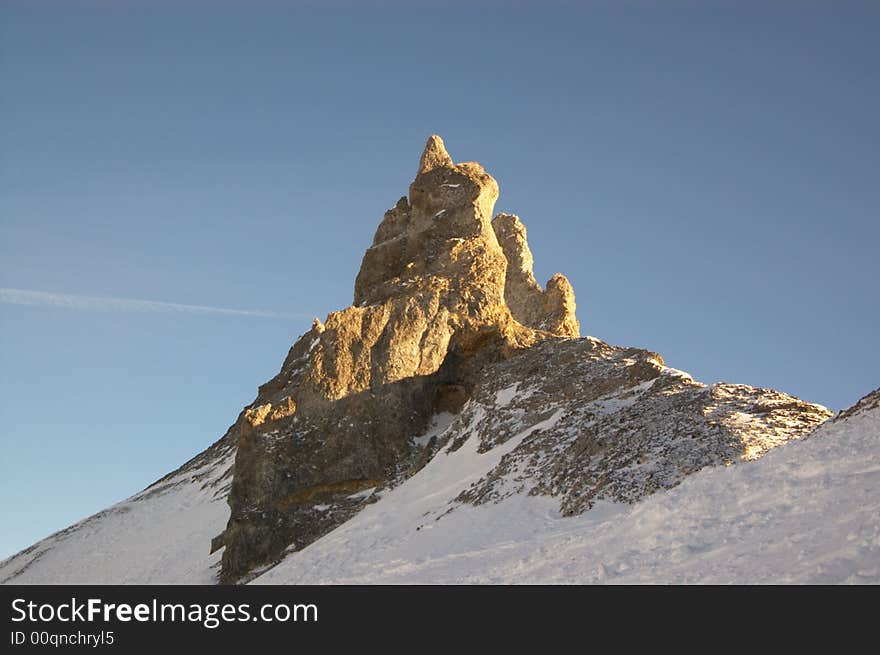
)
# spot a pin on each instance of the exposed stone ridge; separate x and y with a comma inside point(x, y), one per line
point(615, 424)
point(433, 305)
point(866, 403)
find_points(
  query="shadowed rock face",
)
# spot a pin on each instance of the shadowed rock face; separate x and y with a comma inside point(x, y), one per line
point(434, 303)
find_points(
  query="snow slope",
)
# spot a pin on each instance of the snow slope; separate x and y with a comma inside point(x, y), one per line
point(161, 535)
point(807, 512)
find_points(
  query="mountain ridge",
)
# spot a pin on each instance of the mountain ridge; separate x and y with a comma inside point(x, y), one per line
point(450, 352)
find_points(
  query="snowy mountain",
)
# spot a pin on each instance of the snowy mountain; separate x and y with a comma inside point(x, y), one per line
point(161, 535)
point(808, 512)
point(452, 426)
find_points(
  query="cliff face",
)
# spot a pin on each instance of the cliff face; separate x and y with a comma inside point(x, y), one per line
point(436, 300)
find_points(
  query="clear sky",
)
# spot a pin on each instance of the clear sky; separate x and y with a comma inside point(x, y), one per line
point(706, 175)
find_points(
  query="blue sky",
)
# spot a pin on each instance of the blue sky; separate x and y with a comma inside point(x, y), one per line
point(706, 175)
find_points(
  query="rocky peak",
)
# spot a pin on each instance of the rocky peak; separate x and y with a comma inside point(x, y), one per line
point(449, 322)
point(440, 236)
point(437, 298)
point(443, 235)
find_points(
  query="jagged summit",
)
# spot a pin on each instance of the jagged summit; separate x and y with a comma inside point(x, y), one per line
point(444, 232)
point(446, 306)
point(433, 304)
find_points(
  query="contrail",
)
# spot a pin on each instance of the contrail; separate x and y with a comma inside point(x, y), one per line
point(100, 303)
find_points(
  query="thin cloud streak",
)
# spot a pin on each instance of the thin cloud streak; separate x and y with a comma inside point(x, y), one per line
point(103, 304)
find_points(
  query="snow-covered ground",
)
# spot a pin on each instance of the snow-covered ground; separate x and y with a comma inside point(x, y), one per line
point(160, 536)
point(807, 512)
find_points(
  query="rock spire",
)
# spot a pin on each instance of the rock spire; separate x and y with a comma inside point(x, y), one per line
point(443, 290)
